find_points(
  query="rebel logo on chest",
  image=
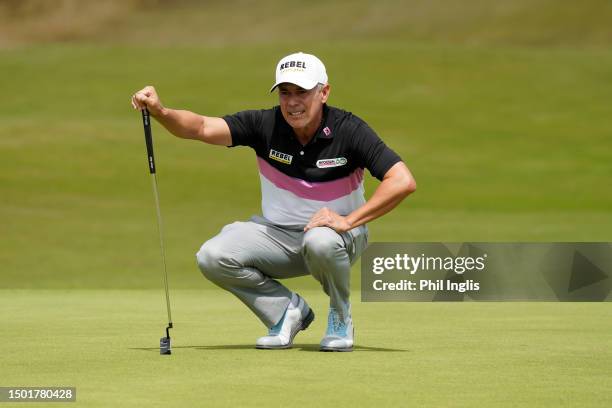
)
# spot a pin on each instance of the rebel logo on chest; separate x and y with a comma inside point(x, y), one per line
point(280, 156)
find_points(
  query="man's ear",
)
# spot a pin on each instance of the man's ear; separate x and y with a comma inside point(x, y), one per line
point(325, 92)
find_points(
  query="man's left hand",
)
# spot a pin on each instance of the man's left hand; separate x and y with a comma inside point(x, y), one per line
point(328, 218)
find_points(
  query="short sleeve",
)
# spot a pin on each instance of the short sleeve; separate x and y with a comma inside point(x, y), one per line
point(372, 152)
point(245, 127)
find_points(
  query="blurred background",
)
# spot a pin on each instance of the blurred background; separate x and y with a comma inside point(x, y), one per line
point(500, 108)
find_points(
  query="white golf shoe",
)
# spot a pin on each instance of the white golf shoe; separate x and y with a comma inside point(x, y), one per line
point(298, 316)
point(340, 333)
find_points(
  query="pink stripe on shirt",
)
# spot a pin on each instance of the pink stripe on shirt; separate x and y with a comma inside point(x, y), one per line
point(320, 191)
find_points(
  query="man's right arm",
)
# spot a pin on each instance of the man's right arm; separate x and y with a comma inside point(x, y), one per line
point(182, 123)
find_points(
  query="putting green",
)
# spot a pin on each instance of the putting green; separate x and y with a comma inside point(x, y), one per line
point(407, 354)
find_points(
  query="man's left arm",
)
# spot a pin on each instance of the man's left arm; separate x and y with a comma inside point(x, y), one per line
point(396, 185)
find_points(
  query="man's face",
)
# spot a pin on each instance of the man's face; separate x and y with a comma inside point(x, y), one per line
point(301, 107)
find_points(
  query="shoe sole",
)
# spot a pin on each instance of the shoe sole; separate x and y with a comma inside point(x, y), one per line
point(332, 349)
point(305, 323)
point(344, 349)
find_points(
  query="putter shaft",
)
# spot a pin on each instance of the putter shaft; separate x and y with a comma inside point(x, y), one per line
point(161, 246)
point(146, 121)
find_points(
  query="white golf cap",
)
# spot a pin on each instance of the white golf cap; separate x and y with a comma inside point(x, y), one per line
point(303, 70)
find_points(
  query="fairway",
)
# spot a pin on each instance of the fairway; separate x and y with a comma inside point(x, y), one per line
point(490, 165)
point(422, 354)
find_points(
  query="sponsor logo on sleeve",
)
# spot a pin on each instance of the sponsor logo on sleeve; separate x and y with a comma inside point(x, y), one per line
point(280, 156)
point(337, 162)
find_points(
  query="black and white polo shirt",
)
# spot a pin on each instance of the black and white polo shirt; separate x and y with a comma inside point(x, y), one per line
point(297, 180)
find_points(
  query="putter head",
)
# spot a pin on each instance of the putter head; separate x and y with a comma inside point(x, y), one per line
point(165, 346)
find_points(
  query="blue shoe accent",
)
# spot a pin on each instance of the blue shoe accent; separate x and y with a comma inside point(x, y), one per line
point(275, 330)
point(340, 332)
point(335, 325)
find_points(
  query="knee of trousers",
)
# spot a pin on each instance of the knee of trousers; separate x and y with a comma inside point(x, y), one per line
point(322, 244)
point(210, 259)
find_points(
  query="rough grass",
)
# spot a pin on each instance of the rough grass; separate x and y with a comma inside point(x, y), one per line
point(222, 23)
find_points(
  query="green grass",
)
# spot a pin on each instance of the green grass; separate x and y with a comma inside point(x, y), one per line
point(217, 23)
point(421, 354)
point(500, 109)
point(505, 143)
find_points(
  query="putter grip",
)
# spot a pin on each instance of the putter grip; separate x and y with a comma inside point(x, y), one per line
point(146, 122)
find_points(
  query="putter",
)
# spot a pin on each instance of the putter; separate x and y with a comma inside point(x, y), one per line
point(165, 346)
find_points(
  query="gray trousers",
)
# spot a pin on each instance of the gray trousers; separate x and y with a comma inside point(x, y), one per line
point(247, 258)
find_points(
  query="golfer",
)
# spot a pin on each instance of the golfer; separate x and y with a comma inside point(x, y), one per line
point(311, 160)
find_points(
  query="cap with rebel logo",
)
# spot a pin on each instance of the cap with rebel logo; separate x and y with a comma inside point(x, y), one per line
point(303, 70)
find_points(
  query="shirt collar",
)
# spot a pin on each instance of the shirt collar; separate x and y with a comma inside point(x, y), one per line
point(325, 131)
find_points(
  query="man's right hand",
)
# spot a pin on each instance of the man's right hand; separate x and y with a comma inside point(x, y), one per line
point(147, 98)
point(183, 123)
